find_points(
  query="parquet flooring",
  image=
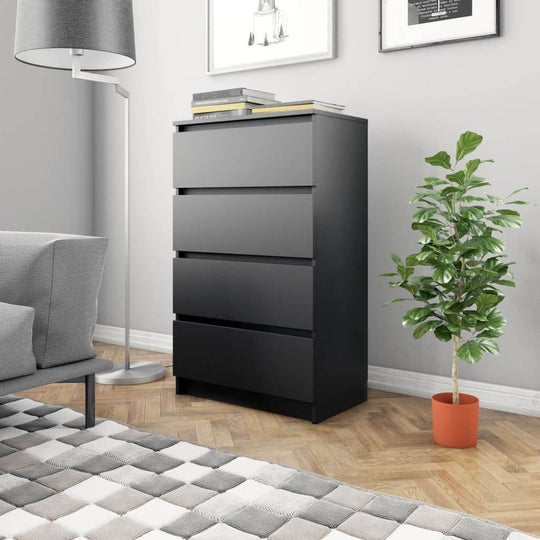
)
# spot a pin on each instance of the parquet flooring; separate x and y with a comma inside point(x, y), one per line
point(384, 444)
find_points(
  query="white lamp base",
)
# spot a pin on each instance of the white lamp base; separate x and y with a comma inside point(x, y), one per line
point(138, 373)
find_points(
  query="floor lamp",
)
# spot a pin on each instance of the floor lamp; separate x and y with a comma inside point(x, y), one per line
point(84, 36)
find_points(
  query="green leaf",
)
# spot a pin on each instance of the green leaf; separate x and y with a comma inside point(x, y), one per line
point(388, 274)
point(397, 259)
point(443, 274)
point(489, 346)
point(415, 316)
point(472, 167)
point(471, 351)
point(396, 300)
point(518, 202)
point(452, 190)
point(457, 177)
point(477, 182)
point(424, 214)
point(445, 258)
point(473, 228)
point(507, 221)
point(493, 333)
point(487, 244)
point(486, 301)
point(442, 333)
point(428, 231)
point(441, 159)
point(505, 282)
point(452, 306)
point(495, 319)
point(423, 255)
point(424, 328)
point(517, 191)
point(474, 213)
point(432, 181)
point(471, 198)
point(494, 200)
point(467, 143)
point(405, 272)
point(424, 295)
point(418, 197)
point(475, 315)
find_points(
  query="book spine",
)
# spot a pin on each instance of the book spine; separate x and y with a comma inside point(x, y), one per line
point(221, 114)
point(236, 99)
point(284, 108)
point(297, 107)
point(231, 92)
point(216, 108)
point(219, 101)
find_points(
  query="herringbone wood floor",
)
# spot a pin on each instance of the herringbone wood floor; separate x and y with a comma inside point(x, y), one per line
point(384, 444)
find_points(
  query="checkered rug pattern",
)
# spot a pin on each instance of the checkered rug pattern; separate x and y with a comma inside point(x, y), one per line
point(60, 481)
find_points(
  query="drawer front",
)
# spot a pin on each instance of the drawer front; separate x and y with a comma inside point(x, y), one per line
point(279, 225)
point(246, 154)
point(257, 293)
point(261, 362)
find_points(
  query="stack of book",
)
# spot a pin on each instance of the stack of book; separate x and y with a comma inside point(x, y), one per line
point(230, 102)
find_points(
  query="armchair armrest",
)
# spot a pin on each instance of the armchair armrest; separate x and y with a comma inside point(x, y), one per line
point(59, 276)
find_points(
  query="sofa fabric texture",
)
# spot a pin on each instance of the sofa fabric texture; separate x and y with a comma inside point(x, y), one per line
point(16, 356)
point(59, 275)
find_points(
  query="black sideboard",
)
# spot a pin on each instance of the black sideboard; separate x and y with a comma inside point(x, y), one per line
point(270, 267)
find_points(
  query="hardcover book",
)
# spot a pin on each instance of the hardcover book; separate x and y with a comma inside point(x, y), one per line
point(235, 99)
point(223, 107)
point(233, 92)
point(299, 106)
point(221, 114)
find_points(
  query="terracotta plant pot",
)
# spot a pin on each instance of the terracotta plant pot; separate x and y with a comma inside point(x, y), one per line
point(455, 426)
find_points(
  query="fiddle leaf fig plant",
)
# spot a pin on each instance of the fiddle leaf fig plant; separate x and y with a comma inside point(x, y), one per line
point(459, 271)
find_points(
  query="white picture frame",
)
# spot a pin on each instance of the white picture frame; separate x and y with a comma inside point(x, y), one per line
point(292, 39)
point(409, 24)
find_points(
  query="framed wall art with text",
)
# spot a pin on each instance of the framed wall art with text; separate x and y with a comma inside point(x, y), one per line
point(406, 24)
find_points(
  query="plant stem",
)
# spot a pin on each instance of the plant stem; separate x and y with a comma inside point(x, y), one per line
point(455, 359)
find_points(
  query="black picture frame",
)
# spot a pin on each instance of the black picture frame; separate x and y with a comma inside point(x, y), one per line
point(382, 49)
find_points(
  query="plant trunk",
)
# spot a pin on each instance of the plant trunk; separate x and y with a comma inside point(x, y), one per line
point(455, 382)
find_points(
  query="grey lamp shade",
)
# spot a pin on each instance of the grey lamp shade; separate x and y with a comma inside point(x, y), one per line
point(47, 30)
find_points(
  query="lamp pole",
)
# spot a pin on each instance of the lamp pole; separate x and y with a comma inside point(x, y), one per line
point(128, 372)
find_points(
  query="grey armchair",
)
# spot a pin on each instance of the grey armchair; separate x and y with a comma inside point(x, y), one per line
point(48, 308)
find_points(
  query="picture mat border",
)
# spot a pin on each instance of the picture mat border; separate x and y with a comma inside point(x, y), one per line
point(497, 33)
point(330, 55)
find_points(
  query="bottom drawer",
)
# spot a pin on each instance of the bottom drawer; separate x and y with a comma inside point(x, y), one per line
point(261, 362)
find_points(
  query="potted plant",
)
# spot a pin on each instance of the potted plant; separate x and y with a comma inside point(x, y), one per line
point(457, 276)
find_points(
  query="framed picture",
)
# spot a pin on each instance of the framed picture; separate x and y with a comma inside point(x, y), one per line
point(406, 24)
point(251, 34)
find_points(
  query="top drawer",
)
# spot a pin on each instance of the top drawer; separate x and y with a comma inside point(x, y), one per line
point(245, 154)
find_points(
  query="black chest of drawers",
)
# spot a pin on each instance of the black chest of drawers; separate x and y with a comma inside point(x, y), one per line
point(270, 272)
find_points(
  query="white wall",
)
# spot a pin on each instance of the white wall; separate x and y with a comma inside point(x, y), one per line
point(46, 154)
point(417, 102)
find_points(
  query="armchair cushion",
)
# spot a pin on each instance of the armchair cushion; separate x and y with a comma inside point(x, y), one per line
point(16, 357)
point(59, 276)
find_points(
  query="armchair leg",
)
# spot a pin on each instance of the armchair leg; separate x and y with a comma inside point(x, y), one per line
point(90, 400)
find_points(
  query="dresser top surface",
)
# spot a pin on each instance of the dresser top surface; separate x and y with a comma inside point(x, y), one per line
point(252, 117)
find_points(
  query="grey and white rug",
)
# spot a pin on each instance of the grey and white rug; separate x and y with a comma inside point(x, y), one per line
point(60, 481)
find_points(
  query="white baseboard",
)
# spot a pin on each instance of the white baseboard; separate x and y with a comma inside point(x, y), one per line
point(492, 396)
point(139, 339)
